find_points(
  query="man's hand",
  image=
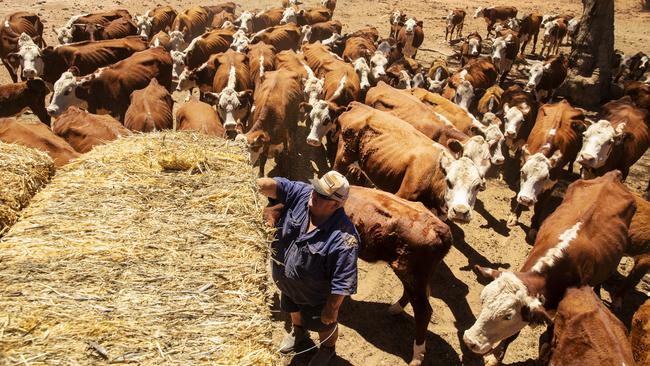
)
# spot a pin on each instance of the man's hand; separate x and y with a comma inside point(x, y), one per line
point(330, 311)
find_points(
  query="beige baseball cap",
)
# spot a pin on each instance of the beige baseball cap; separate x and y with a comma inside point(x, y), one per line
point(332, 185)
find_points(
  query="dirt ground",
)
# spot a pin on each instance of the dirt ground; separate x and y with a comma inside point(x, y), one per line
point(369, 336)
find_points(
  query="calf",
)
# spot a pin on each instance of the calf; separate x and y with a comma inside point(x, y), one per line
point(15, 98)
point(190, 23)
point(553, 143)
point(504, 53)
point(329, 4)
point(581, 243)
point(198, 116)
point(639, 92)
point(519, 115)
point(275, 118)
point(108, 89)
point(150, 109)
point(281, 37)
point(529, 28)
point(471, 48)
point(397, 19)
point(320, 31)
point(399, 159)
point(585, 332)
point(494, 14)
point(616, 141)
point(547, 76)
point(83, 130)
point(261, 58)
point(155, 20)
point(11, 31)
point(233, 89)
point(640, 334)
point(38, 136)
point(253, 23)
point(410, 37)
point(554, 33)
point(455, 19)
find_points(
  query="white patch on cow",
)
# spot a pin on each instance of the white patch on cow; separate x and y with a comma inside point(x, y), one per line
point(289, 16)
point(513, 118)
point(556, 253)
point(229, 103)
point(499, 54)
point(599, 139)
point(378, 63)
point(261, 66)
point(176, 40)
point(463, 183)
point(340, 87)
point(245, 21)
point(535, 177)
point(478, 12)
point(178, 63)
point(464, 93)
point(313, 88)
point(239, 41)
point(500, 317)
point(29, 55)
point(184, 81)
point(321, 122)
point(494, 138)
point(477, 149)
point(536, 72)
point(144, 23)
point(6, 23)
point(409, 50)
point(395, 17)
point(333, 38)
point(474, 47)
point(306, 33)
point(361, 68)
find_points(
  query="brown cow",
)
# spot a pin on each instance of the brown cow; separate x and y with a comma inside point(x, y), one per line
point(213, 10)
point(639, 92)
point(155, 20)
point(220, 19)
point(281, 37)
point(118, 28)
point(305, 17)
point(321, 31)
point(471, 48)
point(161, 39)
point(410, 37)
point(397, 19)
point(554, 33)
point(38, 136)
point(85, 27)
point(356, 47)
point(581, 243)
point(640, 334)
point(437, 75)
point(455, 20)
point(233, 89)
point(519, 115)
point(87, 56)
point(319, 58)
point(198, 116)
point(494, 14)
point(150, 109)
point(616, 141)
point(190, 23)
point(108, 89)
point(386, 226)
point(30, 94)
point(467, 85)
point(490, 102)
point(399, 159)
point(261, 58)
point(201, 77)
point(200, 49)
point(275, 118)
point(10, 53)
point(83, 130)
point(585, 332)
point(291, 61)
point(529, 28)
point(553, 143)
point(329, 4)
point(252, 23)
point(547, 76)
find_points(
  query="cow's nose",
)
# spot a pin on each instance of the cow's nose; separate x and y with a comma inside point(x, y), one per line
point(29, 73)
point(230, 126)
point(470, 344)
point(499, 160)
point(312, 141)
point(283, 21)
point(586, 158)
point(525, 200)
point(510, 133)
point(529, 87)
point(51, 111)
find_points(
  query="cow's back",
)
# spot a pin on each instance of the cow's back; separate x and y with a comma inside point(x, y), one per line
point(83, 130)
point(38, 136)
point(198, 116)
point(88, 56)
point(150, 109)
point(239, 61)
point(557, 125)
point(640, 334)
point(592, 222)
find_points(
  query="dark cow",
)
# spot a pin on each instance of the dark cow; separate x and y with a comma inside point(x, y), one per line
point(156, 20)
point(306, 17)
point(150, 109)
point(529, 28)
point(581, 243)
point(321, 31)
point(471, 48)
point(11, 54)
point(108, 89)
point(467, 85)
point(30, 94)
point(547, 76)
point(118, 28)
point(519, 115)
point(84, 27)
point(494, 14)
point(639, 92)
point(83, 130)
point(38, 136)
point(455, 21)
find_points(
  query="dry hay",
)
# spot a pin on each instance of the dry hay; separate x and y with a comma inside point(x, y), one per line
point(23, 171)
point(151, 250)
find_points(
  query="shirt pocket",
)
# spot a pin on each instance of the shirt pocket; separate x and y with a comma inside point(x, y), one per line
point(312, 263)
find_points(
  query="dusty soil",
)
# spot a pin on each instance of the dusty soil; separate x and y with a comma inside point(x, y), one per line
point(369, 336)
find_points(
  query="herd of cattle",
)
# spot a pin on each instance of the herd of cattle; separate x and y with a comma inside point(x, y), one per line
point(425, 138)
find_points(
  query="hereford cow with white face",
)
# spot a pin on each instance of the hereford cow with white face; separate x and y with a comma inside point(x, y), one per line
point(28, 57)
point(599, 139)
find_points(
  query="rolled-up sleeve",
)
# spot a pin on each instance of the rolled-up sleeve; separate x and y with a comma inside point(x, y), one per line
point(289, 192)
point(344, 268)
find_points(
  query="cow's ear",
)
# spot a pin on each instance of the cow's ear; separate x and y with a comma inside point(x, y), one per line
point(525, 108)
point(336, 110)
point(535, 315)
point(211, 98)
point(301, 12)
point(486, 274)
point(13, 61)
point(445, 160)
point(305, 107)
point(578, 126)
point(456, 147)
point(245, 93)
point(74, 70)
point(555, 158)
point(419, 23)
point(476, 131)
point(620, 133)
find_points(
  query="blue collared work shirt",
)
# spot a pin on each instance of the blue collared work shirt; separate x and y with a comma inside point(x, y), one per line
point(308, 267)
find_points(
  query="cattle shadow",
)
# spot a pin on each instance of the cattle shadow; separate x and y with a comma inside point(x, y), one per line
point(632, 300)
point(473, 256)
point(498, 225)
point(394, 334)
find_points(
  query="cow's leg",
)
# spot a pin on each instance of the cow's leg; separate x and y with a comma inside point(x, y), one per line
point(263, 157)
point(535, 41)
point(409, 190)
point(460, 30)
point(11, 71)
point(40, 112)
point(641, 267)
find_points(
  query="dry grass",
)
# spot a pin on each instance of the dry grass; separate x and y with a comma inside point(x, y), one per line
point(23, 171)
point(149, 250)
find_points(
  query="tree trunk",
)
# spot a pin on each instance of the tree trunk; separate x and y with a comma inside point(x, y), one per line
point(590, 73)
point(646, 4)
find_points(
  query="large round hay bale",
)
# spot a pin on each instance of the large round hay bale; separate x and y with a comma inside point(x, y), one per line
point(150, 249)
point(23, 171)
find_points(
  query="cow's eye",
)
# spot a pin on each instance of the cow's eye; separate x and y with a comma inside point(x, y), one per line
point(67, 92)
point(448, 183)
point(508, 317)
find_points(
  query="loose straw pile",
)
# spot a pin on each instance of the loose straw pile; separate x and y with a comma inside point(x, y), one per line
point(148, 250)
point(23, 171)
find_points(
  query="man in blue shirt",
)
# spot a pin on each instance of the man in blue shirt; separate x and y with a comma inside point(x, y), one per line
point(314, 257)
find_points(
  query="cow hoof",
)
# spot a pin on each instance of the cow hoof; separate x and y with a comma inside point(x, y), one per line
point(512, 220)
point(395, 309)
point(491, 360)
point(418, 354)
